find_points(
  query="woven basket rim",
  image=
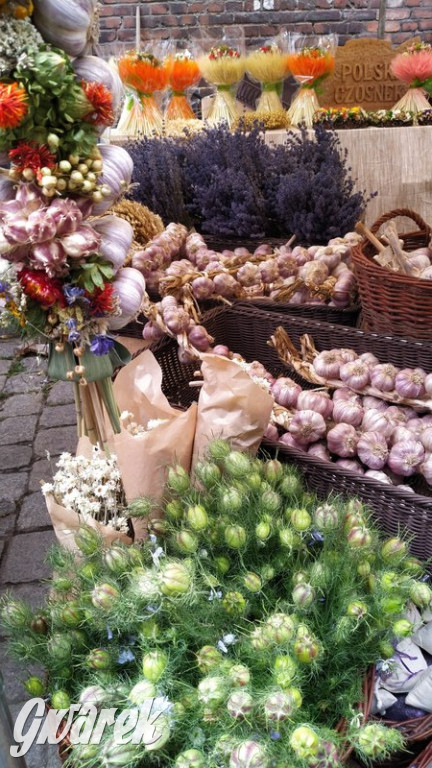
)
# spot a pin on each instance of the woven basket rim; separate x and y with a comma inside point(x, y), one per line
point(374, 485)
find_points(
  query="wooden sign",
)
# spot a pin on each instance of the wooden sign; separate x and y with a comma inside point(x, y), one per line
point(362, 76)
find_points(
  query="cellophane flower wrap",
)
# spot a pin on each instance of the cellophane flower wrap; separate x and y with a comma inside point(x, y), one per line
point(268, 65)
point(247, 620)
point(311, 59)
point(144, 73)
point(184, 73)
point(414, 68)
point(223, 65)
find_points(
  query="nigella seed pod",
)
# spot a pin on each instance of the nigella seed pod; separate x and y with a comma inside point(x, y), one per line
point(278, 707)
point(190, 758)
point(326, 518)
point(240, 704)
point(279, 628)
point(175, 579)
point(105, 596)
point(303, 595)
point(154, 664)
point(208, 658)
point(239, 675)
point(249, 754)
point(98, 658)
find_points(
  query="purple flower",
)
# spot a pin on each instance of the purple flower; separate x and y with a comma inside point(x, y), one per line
point(101, 345)
point(125, 656)
point(73, 293)
point(4, 287)
point(74, 337)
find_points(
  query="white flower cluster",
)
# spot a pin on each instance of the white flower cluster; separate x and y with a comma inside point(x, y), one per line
point(91, 487)
point(16, 37)
point(249, 368)
point(137, 429)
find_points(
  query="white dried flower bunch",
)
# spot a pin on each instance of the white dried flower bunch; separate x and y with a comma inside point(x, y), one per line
point(17, 36)
point(127, 419)
point(91, 487)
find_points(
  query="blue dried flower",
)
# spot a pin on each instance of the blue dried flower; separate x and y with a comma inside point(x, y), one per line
point(101, 345)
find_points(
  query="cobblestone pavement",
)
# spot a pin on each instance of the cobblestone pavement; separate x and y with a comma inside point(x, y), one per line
point(35, 417)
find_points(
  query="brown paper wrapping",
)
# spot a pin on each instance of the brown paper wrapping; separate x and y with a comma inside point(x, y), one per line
point(231, 407)
point(66, 523)
point(144, 459)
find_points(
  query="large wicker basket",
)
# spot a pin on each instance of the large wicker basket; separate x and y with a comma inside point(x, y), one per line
point(392, 302)
point(246, 330)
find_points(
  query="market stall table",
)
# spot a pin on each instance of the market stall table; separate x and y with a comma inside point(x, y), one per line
point(395, 162)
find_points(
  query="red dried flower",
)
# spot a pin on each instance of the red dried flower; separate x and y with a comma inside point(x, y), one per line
point(30, 154)
point(13, 105)
point(102, 301)
point(45, 290)
point(102, 102)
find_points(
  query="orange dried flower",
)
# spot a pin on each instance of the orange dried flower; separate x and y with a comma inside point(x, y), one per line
point(144, 72)
point(102, 102)
point(184, 73)
point(13, 105)
point(311, 63)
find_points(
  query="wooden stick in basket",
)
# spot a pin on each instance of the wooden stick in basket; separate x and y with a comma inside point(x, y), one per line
point(385, 256)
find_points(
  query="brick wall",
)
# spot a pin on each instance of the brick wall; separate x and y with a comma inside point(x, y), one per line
point(182, 19)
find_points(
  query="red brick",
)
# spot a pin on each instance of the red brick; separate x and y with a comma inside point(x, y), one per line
point(158, 9)
point(422, 13)
point(392, 26)
point(395, 14)
point(371, 26)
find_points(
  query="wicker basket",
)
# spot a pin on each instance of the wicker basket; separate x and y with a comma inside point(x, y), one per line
point(392, 302)
point(246, 330)
point(424, 759)
point(229, 243)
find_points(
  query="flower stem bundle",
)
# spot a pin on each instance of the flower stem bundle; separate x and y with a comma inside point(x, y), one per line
point(414, 68)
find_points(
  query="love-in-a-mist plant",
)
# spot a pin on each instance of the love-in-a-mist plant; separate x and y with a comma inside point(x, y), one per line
point(248, 619)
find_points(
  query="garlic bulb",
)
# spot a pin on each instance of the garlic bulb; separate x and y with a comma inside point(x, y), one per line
point(320, 451)
point(406, 457)
point(271, 433)
point(426, 438)
point(307, 426)
point(427, 382)
point(67, 24)
point(409, 383)
point(347, 355)
point(291, 442)
point(372, 450)
point(129, 286)
point(309, 400)
point(374, 403)
point(348, 412)
point(426, 469)
point(369, 358)
point(342, 440)
point(117, 235)
point(351, 464)
point(383, 377)
point(327, 364)
point(399, 434)
point(285, 391)
point(93, 69)
point(116, 174)
point(346, 394)
point(377, 421)
point(380, 476)
point(355, 374)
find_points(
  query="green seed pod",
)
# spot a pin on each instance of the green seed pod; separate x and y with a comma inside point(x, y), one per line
point(394, 550)
point(305, 742)
point(234, 603)
point(290, 486)
point(212, 691)
point(278, 707)
point(191, 758)
point(62, 585)
point(285, 670)
point(154, 665)
point(208, 658)
point(222, 564)
point(39, 625)
point(279, 628)
point(175, 579)
point(186, 542)
point(197, 517)
point(420, 594)
point(235, 536)
point(237, 464)
point(252, 582)
point(98, 658)
point(218, 450)
point(208, 473)
point(358, 609)
point(59, 647)
point(120, 755)
point(34, 686)
point(71, 615)
point(303, 595)
point(60, 700)
point(231, 501)
point(300, 519)
point(273, 471)
point(253, 481)
point(141, 692)
point(174, 510)
point(326, 518)
point(403, 628)
point(105, 596)
point(263, 530)
point(249, 754)
point(178, 479)
point(270, 502)
point(240, 704)
point(239, 675)
point(87, 540)
point(359, 538)
point(15, 614)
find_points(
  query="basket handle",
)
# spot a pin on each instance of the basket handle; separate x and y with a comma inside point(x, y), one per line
point(401, 212)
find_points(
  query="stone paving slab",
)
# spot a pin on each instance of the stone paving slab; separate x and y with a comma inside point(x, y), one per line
point(33, 513)
point(61, 393)
point(24, 557)
point(55, 441)
point(58, 414)
point(41, 469)
point(18, 429)
point(15, 456)
point(22, 405)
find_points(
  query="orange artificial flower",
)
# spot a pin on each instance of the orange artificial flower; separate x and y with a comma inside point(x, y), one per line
point(144, 72)
point(13, 105)
point(184, 74)
point(311, 63)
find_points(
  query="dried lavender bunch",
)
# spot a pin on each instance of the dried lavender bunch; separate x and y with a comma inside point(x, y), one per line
point(157, 178)
point(223, 181)
point(313, 191)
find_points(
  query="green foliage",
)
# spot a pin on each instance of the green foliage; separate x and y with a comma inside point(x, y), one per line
point(93, 273)
point(256, 612)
